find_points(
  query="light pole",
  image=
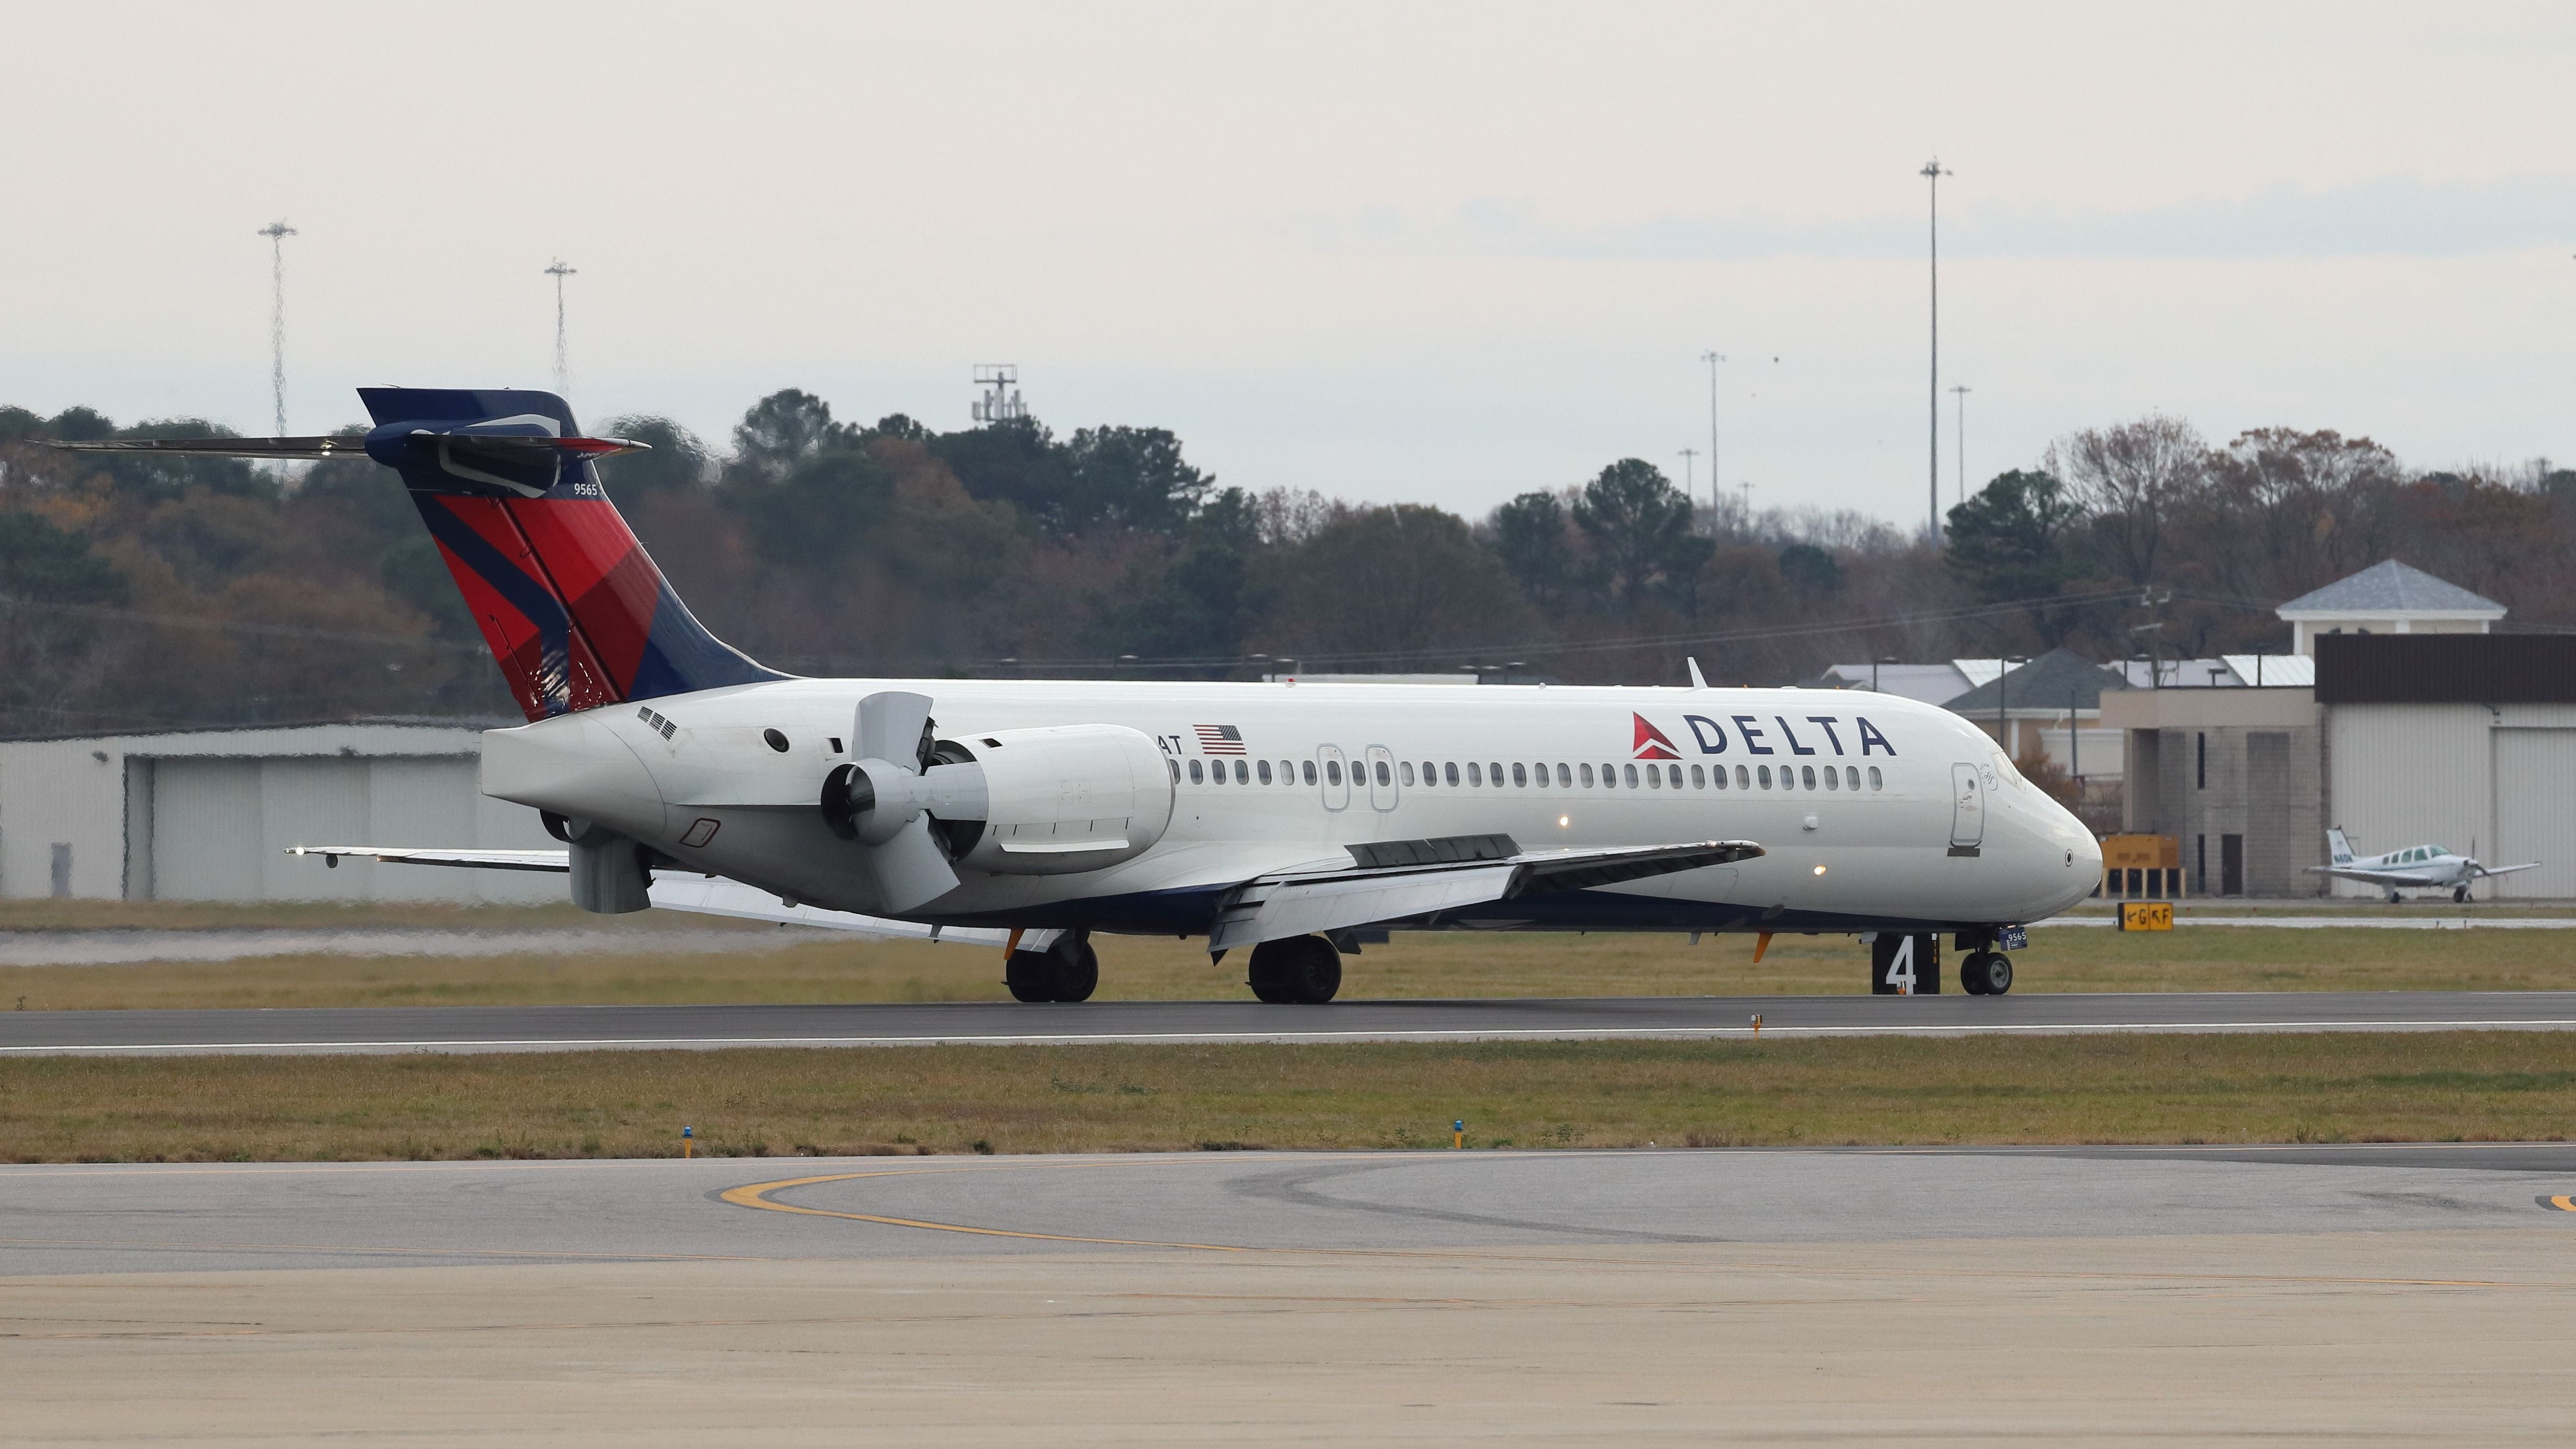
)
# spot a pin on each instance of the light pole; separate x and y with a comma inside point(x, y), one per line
point(2003, 691)
point(1933, 173)
point(1715, 478)
point(1961, 393)
point(1690, 485)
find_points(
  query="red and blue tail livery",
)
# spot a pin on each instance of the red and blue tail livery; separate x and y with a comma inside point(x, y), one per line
point(566, 597)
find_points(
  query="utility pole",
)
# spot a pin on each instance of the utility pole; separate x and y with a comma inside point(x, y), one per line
point(1690, 486)
point(277, 232)
point(1933, 173)
point(1716, 480)
point(1748, 505)
point(563, 366)
point(1961, 393)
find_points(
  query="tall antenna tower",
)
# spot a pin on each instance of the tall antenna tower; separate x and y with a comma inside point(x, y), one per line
point(1001, 400)
point(277, 232)
point(563, 368)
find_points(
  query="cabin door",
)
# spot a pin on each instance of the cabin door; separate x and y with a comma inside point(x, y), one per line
point(1967, 808)
point(1337, 785)
point(1381, 773)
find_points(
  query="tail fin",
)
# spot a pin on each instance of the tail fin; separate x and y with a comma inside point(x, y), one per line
point(2338, 849)
point(567, 599)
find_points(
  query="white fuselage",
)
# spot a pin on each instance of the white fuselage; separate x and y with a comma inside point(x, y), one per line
point(1924, 823)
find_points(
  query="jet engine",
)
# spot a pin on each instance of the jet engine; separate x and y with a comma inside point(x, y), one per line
point(1047, 801)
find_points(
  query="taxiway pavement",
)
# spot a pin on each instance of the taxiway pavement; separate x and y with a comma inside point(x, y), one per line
point(561, 1028)
point(2388, 1293)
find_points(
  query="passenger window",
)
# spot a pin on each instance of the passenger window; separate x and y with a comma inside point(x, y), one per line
point(1698, 781)
point(1383, 777)
point(1332, 772)
point(1833, 778)
point(1243, 772)
point(1654, 778)
point(1265, 772)
point(1406, 773)
point(1632, 777)
point(1309, 767)
point(1587, 777)
point(1743, 781)
point(1717, 776)
point(1807, 776)
point(1475, 773)
point(1494, 772)
point(1449, 773)
point(1851, 776)
point(1195, 776)
point(1216, 772)
point(1873, 777)
point(1520, 774)
point(1565, 777)
point(1766, 777)
point(1176, 770)
point(1673, 775)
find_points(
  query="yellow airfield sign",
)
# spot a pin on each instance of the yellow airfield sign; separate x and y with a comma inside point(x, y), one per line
point(2146, 915)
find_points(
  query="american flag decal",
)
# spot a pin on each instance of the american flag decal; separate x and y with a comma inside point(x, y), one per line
point(1219, 739)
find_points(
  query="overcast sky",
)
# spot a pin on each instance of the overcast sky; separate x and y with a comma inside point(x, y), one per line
point(1413, 252)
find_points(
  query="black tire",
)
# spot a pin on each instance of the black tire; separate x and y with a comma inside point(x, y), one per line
point(1076, 967)
point(2460, 895)
point(1030, 975)
point(1298, 971)
point(1972, 973)
point(1999, 973)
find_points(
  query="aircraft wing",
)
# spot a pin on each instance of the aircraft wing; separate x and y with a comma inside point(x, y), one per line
point(696, 894)
point(1402, 880)
point(2507, 869)
point(2375, 877)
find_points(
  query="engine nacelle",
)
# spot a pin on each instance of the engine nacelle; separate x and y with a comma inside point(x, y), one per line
point(1059, 800)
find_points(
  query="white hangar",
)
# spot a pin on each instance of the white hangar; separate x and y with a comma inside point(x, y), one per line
point(207, 815)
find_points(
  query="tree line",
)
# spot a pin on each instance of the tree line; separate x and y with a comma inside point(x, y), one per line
point(138, 592)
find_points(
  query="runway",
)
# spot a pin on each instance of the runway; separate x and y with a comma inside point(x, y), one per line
point(2388, 1292)
point(562, 1028)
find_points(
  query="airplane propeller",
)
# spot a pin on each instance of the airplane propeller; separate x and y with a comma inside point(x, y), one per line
point(885, 797)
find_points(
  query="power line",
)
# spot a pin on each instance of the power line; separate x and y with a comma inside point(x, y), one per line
point(277, 232)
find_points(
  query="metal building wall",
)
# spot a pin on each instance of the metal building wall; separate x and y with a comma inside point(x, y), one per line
point(207, 815)
point(2490, 780)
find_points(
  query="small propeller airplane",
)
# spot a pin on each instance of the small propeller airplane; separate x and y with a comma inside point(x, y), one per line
point(2417, 867)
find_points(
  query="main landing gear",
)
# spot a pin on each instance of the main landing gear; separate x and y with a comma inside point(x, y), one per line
point(1065, 971)
point(2460, 895)
point(1299, 971)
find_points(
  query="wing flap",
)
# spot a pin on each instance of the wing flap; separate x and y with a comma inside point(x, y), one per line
point(1273, 907)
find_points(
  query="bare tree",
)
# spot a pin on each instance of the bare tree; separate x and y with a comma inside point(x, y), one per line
point(2129, 478)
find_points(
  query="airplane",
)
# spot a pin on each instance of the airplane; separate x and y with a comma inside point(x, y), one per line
point(2417, 867)
point(1290, 820)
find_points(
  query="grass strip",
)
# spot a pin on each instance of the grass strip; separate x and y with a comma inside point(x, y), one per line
point(774, 968)
point(2447, 1086)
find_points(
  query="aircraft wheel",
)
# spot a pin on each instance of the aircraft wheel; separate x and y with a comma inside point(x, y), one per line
point(2393, 897)
point(1300, 971)
point(2460, 894)
point(1972, 973)
point(1030, 975)
point(1999, 973)
point(1076, 968)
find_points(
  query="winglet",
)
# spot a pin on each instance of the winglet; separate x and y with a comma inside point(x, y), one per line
point(1698, 680)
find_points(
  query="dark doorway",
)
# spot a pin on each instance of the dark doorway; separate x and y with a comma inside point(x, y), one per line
point(2231, 865)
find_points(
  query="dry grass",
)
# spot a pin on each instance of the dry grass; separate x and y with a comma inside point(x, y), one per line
point(2448, 1086)
point(2208, 958)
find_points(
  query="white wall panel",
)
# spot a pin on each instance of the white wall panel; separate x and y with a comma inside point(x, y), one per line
point(2535, 812)
point(2411, 774)
point(206, 835)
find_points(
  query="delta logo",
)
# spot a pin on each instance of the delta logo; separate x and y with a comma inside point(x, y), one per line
point(1770, 734)
point(1652, 743)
